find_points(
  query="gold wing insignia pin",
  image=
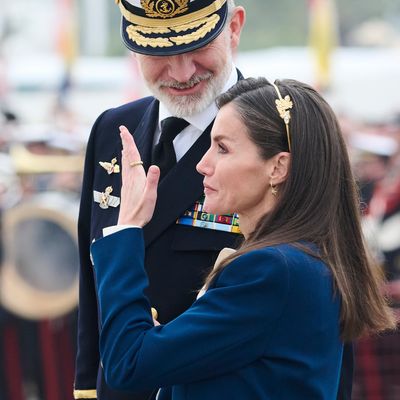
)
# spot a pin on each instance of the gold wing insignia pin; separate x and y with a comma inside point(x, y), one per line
point(110, 167)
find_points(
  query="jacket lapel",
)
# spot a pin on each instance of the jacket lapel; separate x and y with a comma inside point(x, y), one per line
point(144, 133)
point(179, 189)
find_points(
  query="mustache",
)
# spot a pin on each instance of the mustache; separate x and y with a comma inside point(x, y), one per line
point(194, 80)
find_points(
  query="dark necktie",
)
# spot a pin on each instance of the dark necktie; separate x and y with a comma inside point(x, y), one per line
point(164, 154)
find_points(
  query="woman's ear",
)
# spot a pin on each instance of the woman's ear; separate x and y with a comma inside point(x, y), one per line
point(280, 167)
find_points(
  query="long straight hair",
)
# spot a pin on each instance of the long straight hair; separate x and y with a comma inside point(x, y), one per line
point(318, 203)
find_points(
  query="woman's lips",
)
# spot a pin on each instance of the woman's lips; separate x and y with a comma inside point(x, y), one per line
point(208, 190)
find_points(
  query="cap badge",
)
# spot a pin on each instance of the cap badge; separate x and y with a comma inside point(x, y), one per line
point(164, 8)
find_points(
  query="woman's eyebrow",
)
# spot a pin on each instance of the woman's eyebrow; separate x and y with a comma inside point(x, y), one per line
point(222, 137)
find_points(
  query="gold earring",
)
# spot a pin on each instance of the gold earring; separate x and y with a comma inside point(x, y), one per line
point(274, 190)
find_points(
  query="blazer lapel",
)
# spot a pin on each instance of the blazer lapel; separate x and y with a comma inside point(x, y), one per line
point(179, 189)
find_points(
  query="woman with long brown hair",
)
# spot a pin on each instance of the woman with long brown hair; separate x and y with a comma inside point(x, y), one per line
point(273, 316)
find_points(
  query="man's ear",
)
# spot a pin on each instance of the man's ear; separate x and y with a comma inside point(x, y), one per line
point(236, 25)
point(280, 167)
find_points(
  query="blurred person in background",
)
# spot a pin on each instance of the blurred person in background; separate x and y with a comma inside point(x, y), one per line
point(377, 167)
point(37, 331)
point(185, 52)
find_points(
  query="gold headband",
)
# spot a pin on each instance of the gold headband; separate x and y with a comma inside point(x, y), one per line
point(283, 106)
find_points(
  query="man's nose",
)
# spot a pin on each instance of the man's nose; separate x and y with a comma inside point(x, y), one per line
point(181, 67)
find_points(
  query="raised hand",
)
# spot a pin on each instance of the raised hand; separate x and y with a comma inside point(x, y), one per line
point(138, 192)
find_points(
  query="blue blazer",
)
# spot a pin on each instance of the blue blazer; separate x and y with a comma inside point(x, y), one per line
point(268, 328)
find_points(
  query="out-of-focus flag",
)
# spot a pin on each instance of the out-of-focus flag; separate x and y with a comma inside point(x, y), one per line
point(67, 45)
point(323, 37)
point(67, 31)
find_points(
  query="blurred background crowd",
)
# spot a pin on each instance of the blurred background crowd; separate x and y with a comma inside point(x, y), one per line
point(62, 63)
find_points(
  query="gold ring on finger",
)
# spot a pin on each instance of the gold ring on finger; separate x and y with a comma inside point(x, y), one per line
point(135, 163)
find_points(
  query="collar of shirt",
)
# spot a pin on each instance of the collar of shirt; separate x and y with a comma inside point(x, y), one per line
point(198, 122)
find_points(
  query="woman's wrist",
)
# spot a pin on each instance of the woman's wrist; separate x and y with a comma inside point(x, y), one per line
point(109, 230)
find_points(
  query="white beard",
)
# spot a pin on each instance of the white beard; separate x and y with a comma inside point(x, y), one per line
point(186, 106)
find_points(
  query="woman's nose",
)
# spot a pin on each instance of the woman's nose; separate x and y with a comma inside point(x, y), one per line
point(204, 166)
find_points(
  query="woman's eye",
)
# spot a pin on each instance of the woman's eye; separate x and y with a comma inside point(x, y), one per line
point(222, 148)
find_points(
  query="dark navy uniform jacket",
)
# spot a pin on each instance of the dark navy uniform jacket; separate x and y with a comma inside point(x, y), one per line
point(178, 257)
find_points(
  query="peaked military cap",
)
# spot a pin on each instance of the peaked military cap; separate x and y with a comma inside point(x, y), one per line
point(169, 27)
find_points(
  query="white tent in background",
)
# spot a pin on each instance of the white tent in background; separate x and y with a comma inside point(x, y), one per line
point(365, 81)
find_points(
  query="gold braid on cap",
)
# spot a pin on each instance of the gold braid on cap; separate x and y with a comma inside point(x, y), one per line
point(283, 105)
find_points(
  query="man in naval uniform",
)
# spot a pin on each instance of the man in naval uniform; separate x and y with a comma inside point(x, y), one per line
point(185, 53)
